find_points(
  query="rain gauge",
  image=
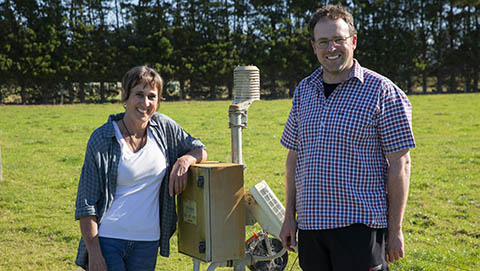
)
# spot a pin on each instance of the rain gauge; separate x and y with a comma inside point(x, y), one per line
point(215, 208)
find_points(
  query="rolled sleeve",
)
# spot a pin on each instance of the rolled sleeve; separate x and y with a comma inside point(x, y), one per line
point(395, 122)
point(89, 186)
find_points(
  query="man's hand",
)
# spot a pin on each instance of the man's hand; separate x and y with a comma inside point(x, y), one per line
point(394, 249)
point(397, 183)
point(288, 234)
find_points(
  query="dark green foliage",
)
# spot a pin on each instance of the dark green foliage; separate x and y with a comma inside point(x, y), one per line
point(51, 50)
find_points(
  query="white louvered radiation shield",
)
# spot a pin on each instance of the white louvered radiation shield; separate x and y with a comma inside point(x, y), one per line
point(246, 84)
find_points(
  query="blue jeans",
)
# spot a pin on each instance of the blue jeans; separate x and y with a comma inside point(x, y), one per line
point(124, 255)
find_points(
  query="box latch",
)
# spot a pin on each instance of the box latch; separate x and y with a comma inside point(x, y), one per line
point(200, 181)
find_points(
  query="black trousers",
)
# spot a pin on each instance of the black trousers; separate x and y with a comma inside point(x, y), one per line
point(353, 248)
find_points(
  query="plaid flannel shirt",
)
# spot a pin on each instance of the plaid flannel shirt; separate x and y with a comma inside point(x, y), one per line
point(341, 144)
point(98, 180)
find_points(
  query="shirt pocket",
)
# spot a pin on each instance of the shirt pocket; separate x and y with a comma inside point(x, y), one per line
point(356, 124)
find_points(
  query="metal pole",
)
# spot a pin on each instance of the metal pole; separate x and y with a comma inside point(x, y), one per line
point(196, 265)
point(236, 133)
point(246, 88)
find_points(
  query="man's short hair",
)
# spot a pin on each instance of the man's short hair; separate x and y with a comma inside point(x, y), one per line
point(141, 75)
point(331, 12)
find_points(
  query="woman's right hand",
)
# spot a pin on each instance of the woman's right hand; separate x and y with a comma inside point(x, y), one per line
point(96, 263)
point(89, 229)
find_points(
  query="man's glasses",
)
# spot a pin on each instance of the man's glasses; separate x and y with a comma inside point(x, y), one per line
point(323, 43)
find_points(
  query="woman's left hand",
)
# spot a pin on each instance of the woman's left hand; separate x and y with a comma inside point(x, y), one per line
point(178, 175)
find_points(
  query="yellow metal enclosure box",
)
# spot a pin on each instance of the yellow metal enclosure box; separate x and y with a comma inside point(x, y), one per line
point(211, 213)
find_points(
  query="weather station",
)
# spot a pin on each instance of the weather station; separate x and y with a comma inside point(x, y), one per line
point(214, 209)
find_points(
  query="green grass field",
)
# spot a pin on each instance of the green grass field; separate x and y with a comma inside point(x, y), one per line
point(42, 150)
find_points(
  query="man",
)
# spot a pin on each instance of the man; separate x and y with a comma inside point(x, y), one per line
point(348, 166)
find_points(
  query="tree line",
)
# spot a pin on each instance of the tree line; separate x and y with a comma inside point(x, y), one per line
point(78, 50)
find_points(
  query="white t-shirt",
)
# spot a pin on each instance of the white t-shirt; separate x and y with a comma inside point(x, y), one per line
point(134, 214)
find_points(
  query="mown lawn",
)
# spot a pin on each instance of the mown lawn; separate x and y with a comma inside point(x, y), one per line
point(42, 150)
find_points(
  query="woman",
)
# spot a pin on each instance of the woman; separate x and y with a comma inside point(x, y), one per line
point(134, 165)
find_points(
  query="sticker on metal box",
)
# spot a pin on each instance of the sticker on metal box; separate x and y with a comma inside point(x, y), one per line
point(190, 211)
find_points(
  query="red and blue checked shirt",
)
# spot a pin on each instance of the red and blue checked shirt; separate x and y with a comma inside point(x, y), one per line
point(341, 143)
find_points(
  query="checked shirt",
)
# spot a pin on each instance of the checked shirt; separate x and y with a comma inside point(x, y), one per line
point(98, 181)
point(341, 144)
